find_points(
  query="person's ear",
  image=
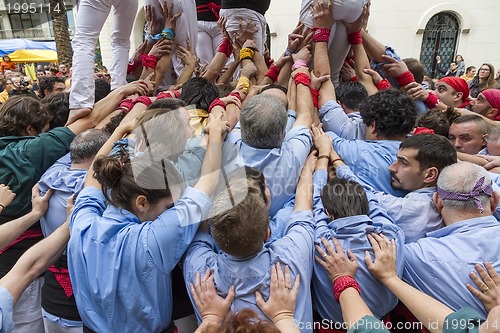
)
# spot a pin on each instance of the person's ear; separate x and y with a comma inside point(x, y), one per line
point(31, 131)
point(141, 204)
point(267, 235)
point(431, 175)
point(458, 96)
point(484, 140)
point(437, 202)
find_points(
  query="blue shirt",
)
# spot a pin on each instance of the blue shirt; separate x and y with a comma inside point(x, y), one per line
point(252, 274)
point(120, 267)
point(439, 265)
point(351, 232)
point(6, 321)
point(369, 160)
point(281, 166)
point(415, 213)
point(347, 126)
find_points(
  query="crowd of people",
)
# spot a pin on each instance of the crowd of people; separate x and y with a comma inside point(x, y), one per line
point(207, 187)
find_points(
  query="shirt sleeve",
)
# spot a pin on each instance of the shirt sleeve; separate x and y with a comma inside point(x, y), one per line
point(348, 150)
point(172, 232)
point(298, 241)
point(89, 204)
point(465, 320)
point(6, 307)
point(336, 120)
point(320, 218)
point(42, 151)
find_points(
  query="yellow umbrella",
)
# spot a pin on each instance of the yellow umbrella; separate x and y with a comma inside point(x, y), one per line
point(33, 56)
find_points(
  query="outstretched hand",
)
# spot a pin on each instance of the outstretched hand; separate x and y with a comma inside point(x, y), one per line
point(334, 261)
point(488, 284)
point(384, 266)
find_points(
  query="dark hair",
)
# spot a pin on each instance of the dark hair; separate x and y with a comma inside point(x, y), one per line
point(57, 105)
point(351, 94)
point(122, 183)
point(433, 150)
point(114, 122)
point(470, 68)
point(102, 89)
point(275, 86)
point(473, 118)
point(47, 83)
point(86, 145)
point(416, 68)
point(199, 91)
point(246, 321)
point(167, 103)
point(19, 112)
point(438, 120)
point(239, 218)
point(393, 112)
point(344, 198)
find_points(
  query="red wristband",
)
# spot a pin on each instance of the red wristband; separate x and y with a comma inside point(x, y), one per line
point(216, 102)
point(384, 85)
point(165, 94)
point(126, 105)
point(235, 94)
point(405, 79)
point(144, 100)
point(342, 283)
point(354, 79)
point(302, 78)
point(355, 38)
point(132, 64)
point(321, 35)
point(225, 47)
point(432, 100)
point(315, 96)
point(148, 61)
point(269, 61)
point(273, 73)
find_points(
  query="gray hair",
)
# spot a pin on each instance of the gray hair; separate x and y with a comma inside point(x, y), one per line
point(86, 145)
point(263, 122)
point(493, 134)
point(462, 177)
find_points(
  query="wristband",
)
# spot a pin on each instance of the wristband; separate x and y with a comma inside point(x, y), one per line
point(132, 64)
point(165, 94)
point(432, 100)
point(144, 100)
point(273, 73)
point(216, 102)
point(288, 52)
point(342, 283)
point(126, 105)
point(167, 33)
point(302, 78)
point(323, 156)
point(246, 53)
point(321, 35)
point(225, 47)
point(315, 96)
point(384, 85)
point(355, 38)
point(354, 79)
point(150, 38)
point(3, 208)
point(243, 84)
point(405, 79)
point(337, 159)
point(299, 64)
point(269, 61)
point(235, 94)
point(148, 61)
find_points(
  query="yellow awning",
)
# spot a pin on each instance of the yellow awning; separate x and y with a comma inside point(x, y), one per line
point(33, 56)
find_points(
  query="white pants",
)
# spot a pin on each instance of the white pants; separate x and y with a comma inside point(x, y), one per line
point(209, 39)
point(185, 28)
point(27, 314)
point(338, 45)
point(234, 15)
point(89, 21)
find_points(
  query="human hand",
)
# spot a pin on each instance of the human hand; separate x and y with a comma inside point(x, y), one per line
point(168, 15)
point(316, 82)
point(221, 22)
point(322, 14)
point(186, 55)
point(438, 59)
point(393, 67)
point(249, 70)
point(303, 54)
point(136, 87)
point(6, 196)
point(250, 43)
point(347, 72)
point(334, 261)
point(488, 284)
point(39, 204)
point(493, 161)
point(70, 204)
point(211, 306)
point(232, 100)
point(295, 37)
point(360, 23)
point(376, 78)
point(282, 297)
point(140, 50)
point(245, 32)
point(216, 124)
point(384, 266)
point(322, 141)
point(162, 47)
point(155, 25)
point(416, 91)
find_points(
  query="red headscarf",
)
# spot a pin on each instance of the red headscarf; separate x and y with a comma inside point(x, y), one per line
point(493, 97)
point(459, 85)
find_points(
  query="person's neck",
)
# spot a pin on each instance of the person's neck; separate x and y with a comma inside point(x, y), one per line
point(451, 216)
point(81, 166)
point(391, 137)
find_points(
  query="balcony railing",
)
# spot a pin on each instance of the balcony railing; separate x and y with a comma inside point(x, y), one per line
point(33, 33)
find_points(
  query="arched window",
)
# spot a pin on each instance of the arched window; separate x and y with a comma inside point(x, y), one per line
point(440, 38)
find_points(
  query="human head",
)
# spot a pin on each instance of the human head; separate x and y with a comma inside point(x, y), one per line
point(493, 141)
point(344, 198)
point(40, 74)
point(487, 104)
point(246, 321)
point(416, 68)
point(57, 105)
point(263, 121)
point(419, 161)
point(16, 82)
point(230, 226)
point(86, 145)
point(351, 95)
point(258, 177)
point(453, 67)
point(6, 58)
point(7, 84)
point(486, 74)
point(277, 91)
point(63, 69)
point(102, 89)
point(453, 91)
point(388, 114)
point(199, 91)
point(142, 186)
point(467, 133)
point(465, 188)
point(437, 120)
point(470, 71)
point(8, 74)
point(459, 58)
point(50, 85)
point(23, 115)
